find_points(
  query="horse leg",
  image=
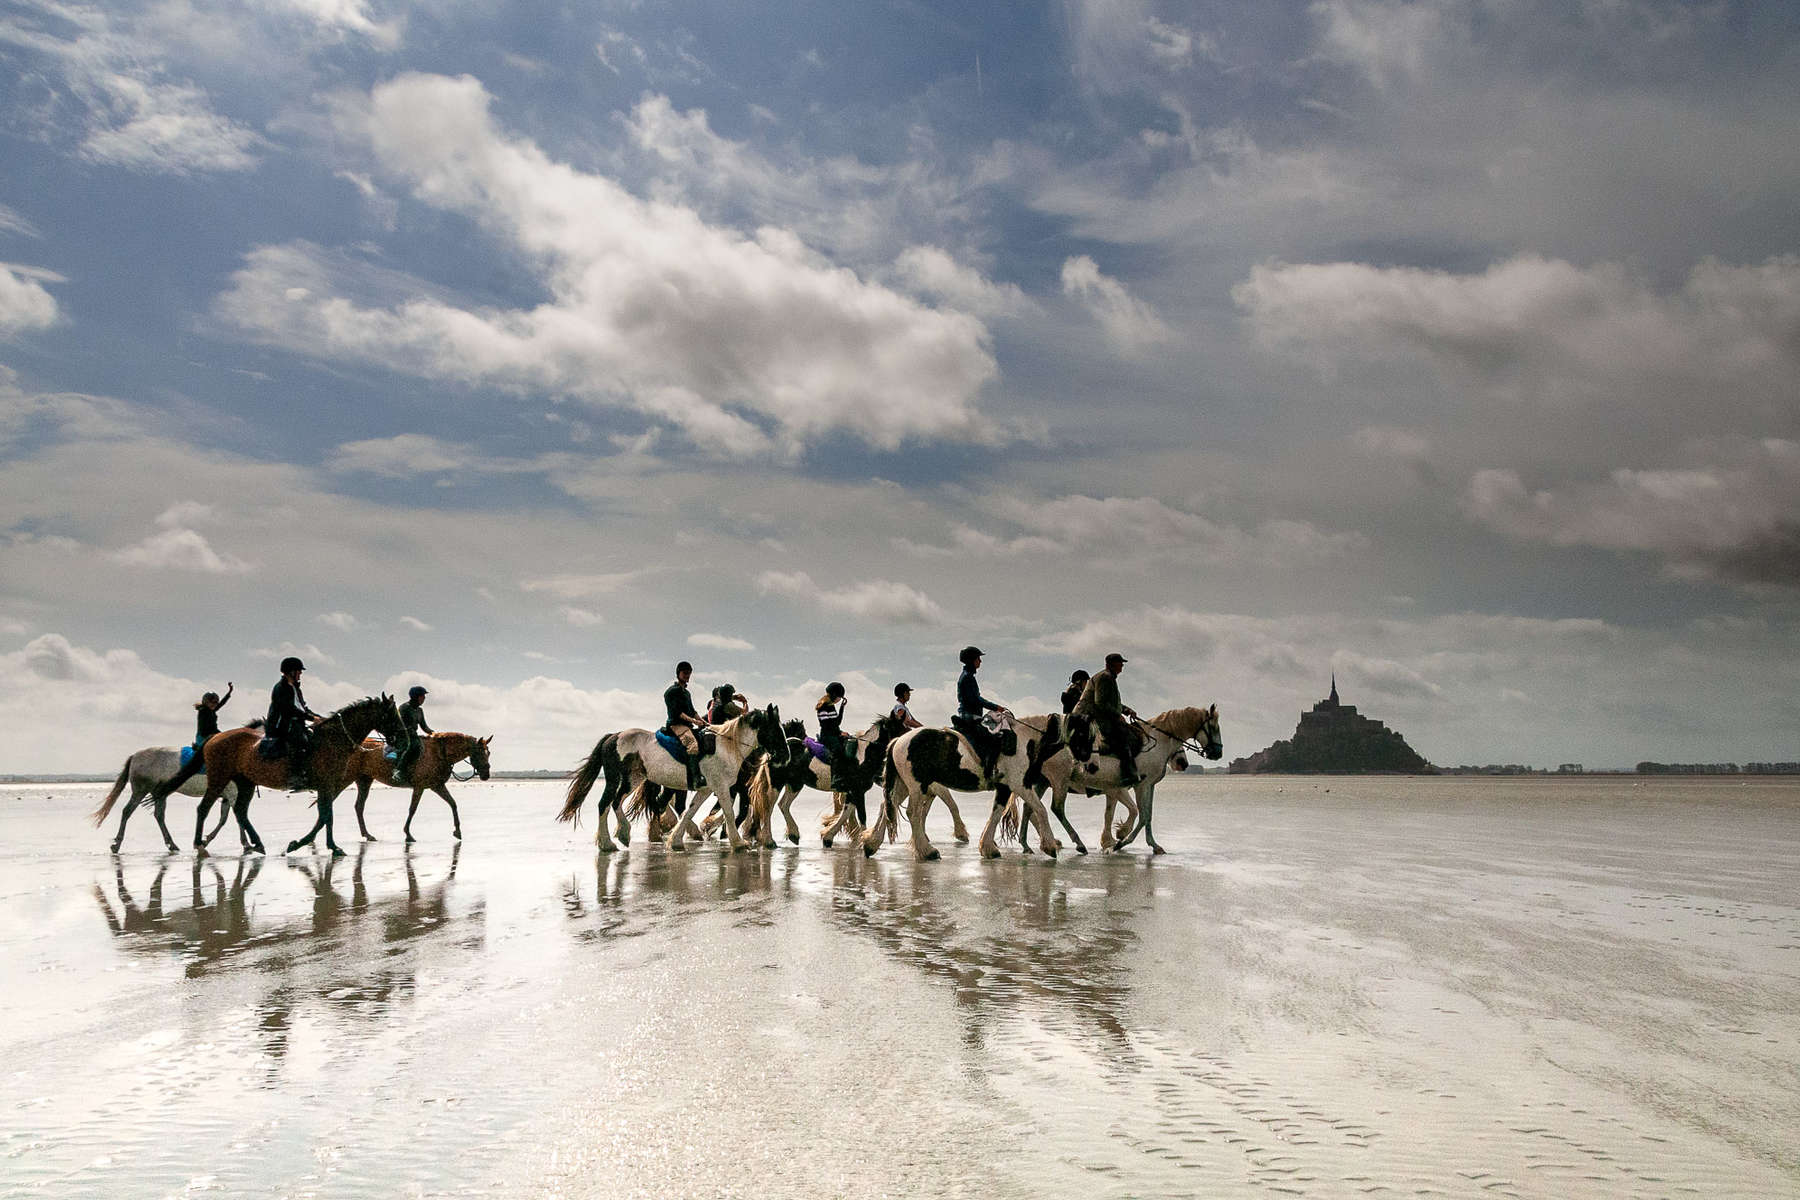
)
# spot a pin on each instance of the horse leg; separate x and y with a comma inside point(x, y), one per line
point(245, 790)
point(362, 798)
point(224, 814)
point(685, 823)
point(411, 809)
point(787, 814)
point(213, 791)
point(1039, 816)
point(725, 814)
point(988, 848)
point(1058, 798)
point(840, 819)
point(157, 808)
point(958, 830)
point(1106, 821)
point(325, 803)
point(918, 805)
point(1147, 801)
point(871, 839)
point(456, 817)
point(137, 798)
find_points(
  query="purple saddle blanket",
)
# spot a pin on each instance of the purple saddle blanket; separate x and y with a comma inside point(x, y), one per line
point(818, 749)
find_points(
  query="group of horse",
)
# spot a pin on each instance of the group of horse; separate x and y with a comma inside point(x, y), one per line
point(343, 754)
point(765, 765)
point(753, 758)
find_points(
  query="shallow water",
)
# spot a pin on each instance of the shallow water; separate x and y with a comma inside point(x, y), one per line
point(1452, 987)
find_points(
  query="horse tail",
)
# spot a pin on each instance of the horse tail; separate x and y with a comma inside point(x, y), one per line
point(762, 793)
point(112, 797)
point(1009, 819)
point(583, 780)
point(890, 779)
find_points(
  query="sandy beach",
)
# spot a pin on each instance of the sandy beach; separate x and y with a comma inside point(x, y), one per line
point(1329, 987)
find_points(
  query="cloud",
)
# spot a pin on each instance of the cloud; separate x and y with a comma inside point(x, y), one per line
point(1129, 323)
point(723, 335)
point(399, 457)
point(179, 549)
point(580, 618)
point(25, 305)
point(311, 654)
point(134, 112)
point(343, 622)
point(1736, 521)
point(718, 641)
point(582, 587)
point(1548, 331)
point(880, 600)
point(935, 272)
point(416, 625)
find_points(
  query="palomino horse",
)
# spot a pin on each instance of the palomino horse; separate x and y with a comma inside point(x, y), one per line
point(1165, 736)
point(431, 770)
point(145, 771)
point(629, 757)
point(779, 786)
point(929, 764)
point(231, 757)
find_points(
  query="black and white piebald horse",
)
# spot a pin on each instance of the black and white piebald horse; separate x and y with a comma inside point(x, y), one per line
point(631, 756)
point(776, 789)
point(929, 764)
point(1165, 736)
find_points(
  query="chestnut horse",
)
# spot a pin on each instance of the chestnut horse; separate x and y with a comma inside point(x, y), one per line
point(231, 757)
point(440, 752)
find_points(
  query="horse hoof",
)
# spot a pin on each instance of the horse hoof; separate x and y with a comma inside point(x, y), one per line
point(292, 846)
point(409, 839)
point(990, 854)
point(368, 837)
point(932, 855)
point(825, 842)
point(1157, 850)
point(1080, 849)
point(457, 834)
point(115, 849)
point(337, 852)
point(962, 839)
point(868, 852)
point(792, 837)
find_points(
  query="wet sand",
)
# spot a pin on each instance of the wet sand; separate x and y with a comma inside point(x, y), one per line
point(1333, 987)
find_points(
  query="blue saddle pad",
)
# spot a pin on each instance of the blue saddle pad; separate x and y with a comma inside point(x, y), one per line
point(391, 755)
point(818, 749)
point(187, 756)
point(672, 744)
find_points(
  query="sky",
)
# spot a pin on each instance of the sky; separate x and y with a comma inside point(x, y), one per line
point(1452, 346)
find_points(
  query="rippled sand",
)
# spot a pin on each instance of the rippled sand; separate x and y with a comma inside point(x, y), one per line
point(1329, 987)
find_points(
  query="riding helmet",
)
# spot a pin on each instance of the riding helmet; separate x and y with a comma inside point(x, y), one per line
point(969, 653)
point(290, 663)
point(415, 691)
point(901, 689)
point(835, 688)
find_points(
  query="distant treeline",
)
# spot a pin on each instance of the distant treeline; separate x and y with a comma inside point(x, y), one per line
point(1754, 768)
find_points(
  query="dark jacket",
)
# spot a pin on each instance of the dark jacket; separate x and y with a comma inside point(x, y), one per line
point(679, 703)
point(287, 710)
point(1072, 696)
point(969, 700)
point(206, 721)
point(414, 717)
point(1101, 697)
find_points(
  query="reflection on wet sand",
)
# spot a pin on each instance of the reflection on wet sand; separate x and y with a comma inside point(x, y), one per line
point(319, 957)
point(630, 898)
point(1034, 952)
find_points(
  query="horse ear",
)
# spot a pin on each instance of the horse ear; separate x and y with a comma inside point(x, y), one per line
point(487, 739)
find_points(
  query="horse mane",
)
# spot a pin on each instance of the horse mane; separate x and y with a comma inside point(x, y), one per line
point(1177, 719)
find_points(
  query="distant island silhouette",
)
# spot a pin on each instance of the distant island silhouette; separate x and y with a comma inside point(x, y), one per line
point(1334, 739)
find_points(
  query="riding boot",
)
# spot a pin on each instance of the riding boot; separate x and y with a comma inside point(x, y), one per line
point(1128, 774)
point(696, 777)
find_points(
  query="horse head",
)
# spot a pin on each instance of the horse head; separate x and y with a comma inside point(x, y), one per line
point(478, 755)
point(769, 734)
point(1214, 746)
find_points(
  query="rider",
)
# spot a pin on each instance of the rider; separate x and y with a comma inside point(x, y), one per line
point(413, 714)
point(289, 717)
point(830, 712)
point(1100, 704)
point(684, 723)
point(206, 723)
point(727, 702)
point(1072, 694)
point(900, 712)
point(972, 709)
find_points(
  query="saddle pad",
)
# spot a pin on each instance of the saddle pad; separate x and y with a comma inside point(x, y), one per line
point(187, 756)
point(818, 749)
point(270, 749)
point(672, 744)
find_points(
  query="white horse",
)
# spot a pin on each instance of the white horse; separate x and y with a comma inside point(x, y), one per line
point(928, 764)
point(631, 756)
point(145, 771)
point(1165, 736)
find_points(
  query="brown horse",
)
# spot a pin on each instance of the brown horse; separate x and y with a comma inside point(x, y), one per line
point(439, 753)
point(231, 757)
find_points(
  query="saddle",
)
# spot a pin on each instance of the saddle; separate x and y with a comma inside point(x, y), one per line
point(188, 754)
point(678, 752)
point(270, 749)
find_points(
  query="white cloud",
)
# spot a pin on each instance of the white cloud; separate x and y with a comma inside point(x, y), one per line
point(1737, 521)
point(25, 304)
point(399, 457)
point(416, 625)
point(933, 271)
point(880, 600)
point(581, 618)
point(1130, 324)
point(343, 622)
point(182, 550)
point(718, 641)
point(582, 587)
point(718, 333)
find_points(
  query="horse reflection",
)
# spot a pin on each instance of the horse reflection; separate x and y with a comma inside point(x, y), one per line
point(305, 959)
